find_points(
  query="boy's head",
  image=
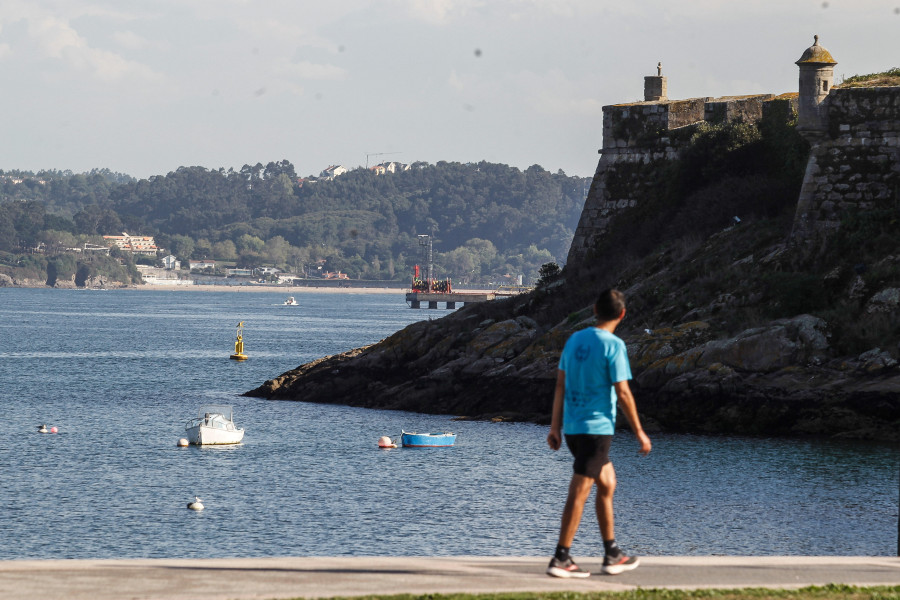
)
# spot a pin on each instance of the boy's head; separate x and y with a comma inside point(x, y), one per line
point(609, 305)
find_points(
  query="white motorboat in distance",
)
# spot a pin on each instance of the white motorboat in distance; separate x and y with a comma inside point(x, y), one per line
point(291, 302)
point(214, 425)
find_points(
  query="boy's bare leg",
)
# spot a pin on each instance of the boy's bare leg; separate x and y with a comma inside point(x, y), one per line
point(579, 490)
point(606, 487)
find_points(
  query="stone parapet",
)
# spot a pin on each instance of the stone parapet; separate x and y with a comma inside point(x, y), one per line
point(748, 109)
point(862, 112)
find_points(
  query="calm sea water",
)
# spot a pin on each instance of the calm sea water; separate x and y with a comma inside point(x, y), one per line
point(120, 372)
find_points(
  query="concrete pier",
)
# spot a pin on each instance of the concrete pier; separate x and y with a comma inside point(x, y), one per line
point(326, 577)
point(415, 299)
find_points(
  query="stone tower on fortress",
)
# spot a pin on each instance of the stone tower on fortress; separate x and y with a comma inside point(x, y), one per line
point(854, 135)
point(816, 80)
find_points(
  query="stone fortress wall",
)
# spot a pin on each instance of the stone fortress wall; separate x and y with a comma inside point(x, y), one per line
point(855, 164)
point(853, 134)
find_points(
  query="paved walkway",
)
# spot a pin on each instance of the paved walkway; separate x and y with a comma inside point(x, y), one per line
point(244, 578)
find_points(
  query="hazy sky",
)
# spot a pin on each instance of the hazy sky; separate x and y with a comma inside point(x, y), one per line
point(145, 87)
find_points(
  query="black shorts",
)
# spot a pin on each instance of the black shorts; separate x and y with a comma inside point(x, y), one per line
point(591, 452)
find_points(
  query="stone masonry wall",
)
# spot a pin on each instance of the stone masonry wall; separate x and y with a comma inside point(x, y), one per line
point(634, 135)
point(636, 138)
point(855, 165)
point(745, 108)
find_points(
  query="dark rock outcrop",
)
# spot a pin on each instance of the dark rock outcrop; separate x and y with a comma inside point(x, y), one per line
point(778, 379)
point(451, 366)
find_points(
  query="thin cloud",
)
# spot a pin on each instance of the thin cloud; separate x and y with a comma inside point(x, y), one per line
point(57, 39)
point(130, 40)
point(439, 12)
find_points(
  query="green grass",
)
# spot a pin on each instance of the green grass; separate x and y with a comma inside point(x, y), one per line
point(828, 592)
point(890, 77)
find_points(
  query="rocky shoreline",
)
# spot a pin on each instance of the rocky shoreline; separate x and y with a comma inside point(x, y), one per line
point(776, 380)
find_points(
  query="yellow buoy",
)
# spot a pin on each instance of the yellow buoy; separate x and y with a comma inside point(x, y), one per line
point(239, 344)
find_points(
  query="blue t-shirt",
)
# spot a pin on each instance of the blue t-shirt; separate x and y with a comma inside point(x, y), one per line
point(593, 359)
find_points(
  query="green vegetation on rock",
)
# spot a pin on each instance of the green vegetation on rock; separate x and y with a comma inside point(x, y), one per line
point(891, 77)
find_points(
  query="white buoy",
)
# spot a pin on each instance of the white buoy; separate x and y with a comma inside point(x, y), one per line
point(386, 442)
point(42, 429)
point(182, 442)
point(196, 504)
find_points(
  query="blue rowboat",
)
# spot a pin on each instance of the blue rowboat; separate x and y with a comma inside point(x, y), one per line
point(427, 440)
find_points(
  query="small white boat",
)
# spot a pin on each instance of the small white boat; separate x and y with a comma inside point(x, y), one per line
point(214, 425)
point(291, 302)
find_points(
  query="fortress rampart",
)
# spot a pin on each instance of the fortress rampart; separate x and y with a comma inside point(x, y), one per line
point(855, 164)
point(854, 134)
point(638, 136)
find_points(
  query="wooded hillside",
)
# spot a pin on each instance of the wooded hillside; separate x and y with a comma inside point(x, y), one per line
point(488, 220)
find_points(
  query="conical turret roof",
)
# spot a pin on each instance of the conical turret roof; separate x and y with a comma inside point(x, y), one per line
point(816, 55)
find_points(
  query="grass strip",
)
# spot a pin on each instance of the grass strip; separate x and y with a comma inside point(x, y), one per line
point(826, 592)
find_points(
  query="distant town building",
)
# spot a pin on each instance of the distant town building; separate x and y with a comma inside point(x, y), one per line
point(389, 167)
point(170, 263)
point(333, 171)
point(136, 244)
point(17, 180)
point(200, 265)
point(92, 248)
point(157, 276)
point(95, 248)
point(336, 275)
point(394, 167)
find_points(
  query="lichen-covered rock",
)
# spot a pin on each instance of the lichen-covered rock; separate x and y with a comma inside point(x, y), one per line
point(652, 346)
point(762, 349)
point(496, 338)
point(765, 349)
point(885, 301)
point(876, 360)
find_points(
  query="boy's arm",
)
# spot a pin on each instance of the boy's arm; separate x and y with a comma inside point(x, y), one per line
point(629, 409)
point(554, 438)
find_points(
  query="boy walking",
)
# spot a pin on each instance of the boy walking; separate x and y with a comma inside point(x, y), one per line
point(592, 378)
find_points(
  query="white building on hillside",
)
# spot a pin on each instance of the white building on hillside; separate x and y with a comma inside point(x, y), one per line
point(200, 265)
point(333, 171)
point(170, 263)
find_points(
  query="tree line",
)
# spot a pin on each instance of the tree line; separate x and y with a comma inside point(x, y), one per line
point(486, 220)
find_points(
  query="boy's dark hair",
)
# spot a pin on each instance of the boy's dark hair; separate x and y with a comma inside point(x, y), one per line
point(609, 305)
